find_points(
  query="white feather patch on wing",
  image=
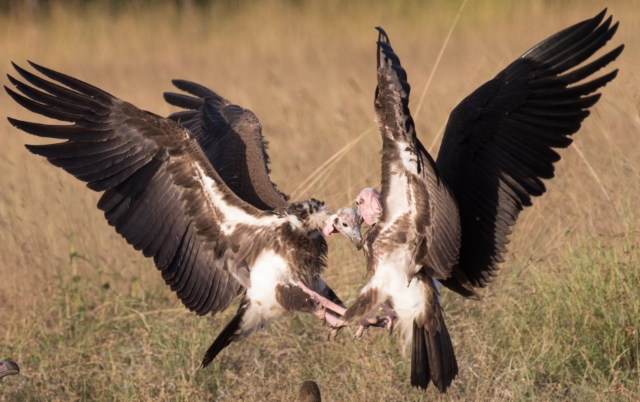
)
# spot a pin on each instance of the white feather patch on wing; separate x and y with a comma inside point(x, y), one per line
point(232, 215)
point(409, 158)
point(397, 203)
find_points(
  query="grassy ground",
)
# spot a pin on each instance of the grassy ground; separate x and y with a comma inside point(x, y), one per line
point(89, 318)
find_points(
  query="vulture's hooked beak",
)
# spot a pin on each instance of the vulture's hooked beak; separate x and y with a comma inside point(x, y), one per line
point(8, 368)
point(356, 237)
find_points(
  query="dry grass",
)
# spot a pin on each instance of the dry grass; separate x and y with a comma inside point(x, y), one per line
point(89, 318)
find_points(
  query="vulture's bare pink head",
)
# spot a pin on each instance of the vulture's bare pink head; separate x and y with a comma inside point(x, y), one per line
point(369, 207)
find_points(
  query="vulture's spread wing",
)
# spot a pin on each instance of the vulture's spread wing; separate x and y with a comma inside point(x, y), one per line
point(431, 203)
point(160, 192)
point(499, 141)
point(231, 138)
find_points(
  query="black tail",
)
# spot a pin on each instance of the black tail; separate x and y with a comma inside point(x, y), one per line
point(230, 333)
point(432, 358)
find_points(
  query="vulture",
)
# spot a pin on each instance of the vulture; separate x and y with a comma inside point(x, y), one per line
point(309, 392)
point(193, 192)
point(8, 368)
point(448, 220)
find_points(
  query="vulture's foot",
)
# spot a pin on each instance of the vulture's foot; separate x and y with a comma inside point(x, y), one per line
point(390, 318)
point(334, 330)
point(380, 322)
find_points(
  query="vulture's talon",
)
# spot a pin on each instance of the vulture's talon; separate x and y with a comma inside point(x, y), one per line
point(359, 332)
point(390, 318)
point(389, 324)
point(333, 333)
point(335, 324)
point(366, 323)
point(321, 314)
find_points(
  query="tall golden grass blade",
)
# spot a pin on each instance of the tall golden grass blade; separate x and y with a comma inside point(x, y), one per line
point(335, 158)
point(435, 139)
point(435, 66)
point(595, 176)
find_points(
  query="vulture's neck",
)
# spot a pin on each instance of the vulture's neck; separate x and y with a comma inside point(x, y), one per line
point(318, 220)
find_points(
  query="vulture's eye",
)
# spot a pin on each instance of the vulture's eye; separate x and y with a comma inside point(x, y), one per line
point(344, 224)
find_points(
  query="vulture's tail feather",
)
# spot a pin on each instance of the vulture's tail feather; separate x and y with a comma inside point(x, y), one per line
point(420, 374)
point(432, 358)
point(230, 333)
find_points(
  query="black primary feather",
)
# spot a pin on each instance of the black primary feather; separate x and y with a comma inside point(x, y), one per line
point(125, 152)
point(499, 141)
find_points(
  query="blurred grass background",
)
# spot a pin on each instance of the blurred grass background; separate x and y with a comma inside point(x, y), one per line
point(88, 318)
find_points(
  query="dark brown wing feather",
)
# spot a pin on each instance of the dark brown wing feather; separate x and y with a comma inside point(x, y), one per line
point(499, 141)
point(436, 221)
point(154, 194)
point(231, 138)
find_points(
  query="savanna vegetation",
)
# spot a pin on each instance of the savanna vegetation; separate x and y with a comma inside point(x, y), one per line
point(88, 318)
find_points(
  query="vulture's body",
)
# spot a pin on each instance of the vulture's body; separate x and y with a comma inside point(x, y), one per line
point(449, 219)
point(8, 368)
point(211, 238)
point(309, 392)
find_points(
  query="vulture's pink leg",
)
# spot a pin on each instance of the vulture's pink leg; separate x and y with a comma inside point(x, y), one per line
point(323, 302)
point(331, 319)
